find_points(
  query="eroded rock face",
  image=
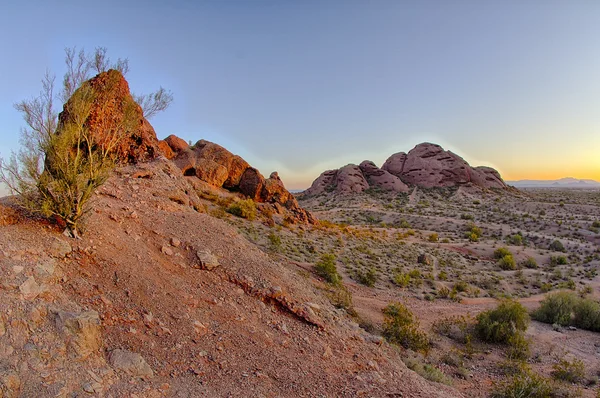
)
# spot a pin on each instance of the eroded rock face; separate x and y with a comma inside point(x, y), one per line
point(114, 110)
point(429, 165)
point(382, 179)
point(426, 165)
point(217, 166)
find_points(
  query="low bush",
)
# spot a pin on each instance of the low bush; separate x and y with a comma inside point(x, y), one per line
point(368, 278)
point(530, 262)
point(244, 208)
point(567, 308)
point(523, 384)
point(400, 327)
point(426, 371)
point(557, 246)
point(507, 263)
point(502, 323)
point(569, 371)
point(326, 269)
point(433, 237)
point(501, 252)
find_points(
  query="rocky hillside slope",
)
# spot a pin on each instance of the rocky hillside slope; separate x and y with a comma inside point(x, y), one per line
point(159, 299)
point(426, 166)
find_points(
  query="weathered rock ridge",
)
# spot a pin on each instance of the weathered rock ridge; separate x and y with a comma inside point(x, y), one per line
point(426, 165)
point(218, 167)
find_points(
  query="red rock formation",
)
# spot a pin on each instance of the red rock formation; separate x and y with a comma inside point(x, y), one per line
point(218, 167)
point(114, 111)
point(426, 165)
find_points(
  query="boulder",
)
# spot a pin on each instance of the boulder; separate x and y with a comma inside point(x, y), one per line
point(166, 149)
point(114, 110)
point(176, 144)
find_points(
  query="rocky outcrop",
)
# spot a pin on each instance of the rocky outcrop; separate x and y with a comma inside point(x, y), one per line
point(429, 165)
point(218, 167)
point(113, 113)
point(355, 179)
point(426, 166)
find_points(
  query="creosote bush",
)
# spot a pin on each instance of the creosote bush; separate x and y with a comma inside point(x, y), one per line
point(244, 208)
point(569, 371)
point(400, 327)
point(502, 323)
point(567, 308)
point(524, 383)
point(326, 269)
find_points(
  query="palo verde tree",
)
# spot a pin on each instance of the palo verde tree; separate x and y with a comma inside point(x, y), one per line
point(59, 166)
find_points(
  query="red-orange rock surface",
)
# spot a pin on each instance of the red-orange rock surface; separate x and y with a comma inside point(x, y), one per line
point(114, 111)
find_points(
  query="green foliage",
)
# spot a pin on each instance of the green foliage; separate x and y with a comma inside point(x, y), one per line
point(529, 262)
point(524, 384)
point(275, 241)
point(401, 279)
point(427, 371)
point(518, 347)
point(557, 246)
point(567, 308)
point(433, 237)
point(569, 371)
point(326, 269)
point(516, 239)
point(341, 297)
point(59, 167)
point(502, 323)
point(556, 308)
point(507, 263)
point(243, 208)
point(400, 327)
point(368, 278)
point(502, 252)
point(473, 232)
point(558, 260)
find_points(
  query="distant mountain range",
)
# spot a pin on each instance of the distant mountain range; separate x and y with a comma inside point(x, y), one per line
point(568, 182)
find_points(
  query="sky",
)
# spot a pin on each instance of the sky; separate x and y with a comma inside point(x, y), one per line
point(304, 86)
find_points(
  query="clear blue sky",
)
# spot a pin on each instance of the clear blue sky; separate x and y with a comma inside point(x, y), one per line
point(302, 86)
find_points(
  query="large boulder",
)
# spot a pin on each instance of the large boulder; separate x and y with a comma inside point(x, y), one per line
point(114, 112)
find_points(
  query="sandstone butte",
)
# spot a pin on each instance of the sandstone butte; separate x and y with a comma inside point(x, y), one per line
point(426, 166)
point(205, 160)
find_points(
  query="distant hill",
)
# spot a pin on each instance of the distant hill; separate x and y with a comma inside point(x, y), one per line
point(568, 182)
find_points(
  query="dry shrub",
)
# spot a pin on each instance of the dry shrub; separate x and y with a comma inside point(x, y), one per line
point(8, 215)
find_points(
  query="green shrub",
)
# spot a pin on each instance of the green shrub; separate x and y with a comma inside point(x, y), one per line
point(340, 297)
point(556, 308)
point(401, 279)
point(244, 208)
point(507, 263)
point(443, 292)
point(461, 286)
point(586, 314)
point(275, 241)
point(326, 269)
point(570, 371)
point(529, 262)
point(400, 327)
point(558, 260)
point(473, 232)
point(427, 371)
point(368, 278)
point(524, 384)
point(516, 240)
point(518, 347)
point(557, 246)
point(502, 323)
point(433, 237)
point(443, 276)
point(501, 252)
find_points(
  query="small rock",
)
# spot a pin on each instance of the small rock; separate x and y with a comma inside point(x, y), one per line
point(30, 288)
point(17, 269)
point(426, 259)
point(572, 328)
point(314, 306)
point(82, 331)
point(328, 353)
point(175, 242)
point(373, 365)
point(92, 387)
point(207, 260)
point(59, 248)
point(200, 329)
point(166, 250)
point(131, 363)
point(2, 328)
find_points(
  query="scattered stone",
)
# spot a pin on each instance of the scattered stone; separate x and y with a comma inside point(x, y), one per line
point(206, 260)
point(200, 329)
point(17, 269)
point(131, 363)
point(328, 353)
point(166, 250)
point(82, 331)
point(59, 248)
point(425, 259)
point(2, 328)
point(175, 242)
point(30, 289)
point(92, 387)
